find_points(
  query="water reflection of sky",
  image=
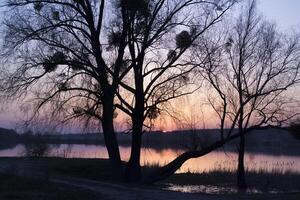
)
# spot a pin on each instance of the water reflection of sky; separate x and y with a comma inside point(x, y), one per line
point(217, 160)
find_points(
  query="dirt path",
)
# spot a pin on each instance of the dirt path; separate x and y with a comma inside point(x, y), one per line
point(119, 192)
point(116, 192)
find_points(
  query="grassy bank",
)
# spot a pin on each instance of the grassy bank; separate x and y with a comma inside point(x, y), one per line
point(15, 187)
point(97, 169)
point(35, 184)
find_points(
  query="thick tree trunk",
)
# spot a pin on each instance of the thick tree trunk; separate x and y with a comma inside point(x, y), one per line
point(133, 168)
point(110, 139)
point(241, 180)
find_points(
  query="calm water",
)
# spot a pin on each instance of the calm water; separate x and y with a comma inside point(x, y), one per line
point(218, 160)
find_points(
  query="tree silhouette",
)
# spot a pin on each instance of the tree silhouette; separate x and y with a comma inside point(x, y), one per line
point(87, 60)
point(249, 70)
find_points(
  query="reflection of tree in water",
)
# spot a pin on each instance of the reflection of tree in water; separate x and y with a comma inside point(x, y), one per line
point(67, 151)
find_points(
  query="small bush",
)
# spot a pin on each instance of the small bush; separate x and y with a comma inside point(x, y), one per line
point(36, 150)
point(34, 146)
point(294, 129)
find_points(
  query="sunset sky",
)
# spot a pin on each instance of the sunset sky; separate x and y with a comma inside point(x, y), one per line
point(284, 12)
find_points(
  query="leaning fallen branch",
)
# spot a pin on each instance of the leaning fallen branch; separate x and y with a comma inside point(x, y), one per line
point(169, 169)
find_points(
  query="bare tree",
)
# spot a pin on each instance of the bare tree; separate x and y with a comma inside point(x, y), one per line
point(249, 70)
point(88, 59)
point(54, 57)
point(157, 46)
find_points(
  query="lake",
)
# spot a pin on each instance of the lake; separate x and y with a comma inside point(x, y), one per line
point(217, 160)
